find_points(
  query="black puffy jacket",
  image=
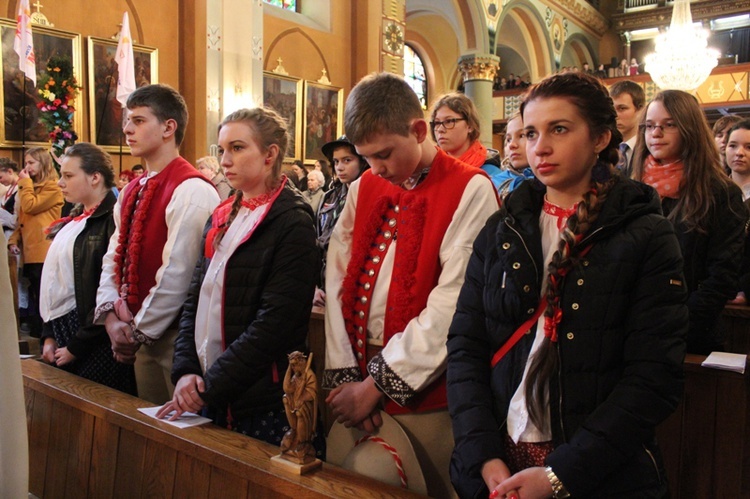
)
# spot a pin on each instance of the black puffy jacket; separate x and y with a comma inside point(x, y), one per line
point(268, 292)
point(621, 344)
point(713, 261)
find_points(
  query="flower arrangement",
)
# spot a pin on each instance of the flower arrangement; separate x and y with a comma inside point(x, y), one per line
point(57, 86)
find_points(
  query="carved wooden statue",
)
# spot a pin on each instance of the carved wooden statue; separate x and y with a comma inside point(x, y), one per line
point(301, 406)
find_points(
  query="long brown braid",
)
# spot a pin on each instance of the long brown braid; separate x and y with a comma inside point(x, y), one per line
point(595, 106)
point(236, 205)
point(568, 254)
point(268, 128)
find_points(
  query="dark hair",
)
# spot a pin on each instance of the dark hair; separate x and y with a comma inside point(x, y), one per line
point(166, 103)
point(380, 103)
point(268, 128)
point(594, 106)
point(740, 125)
point(724, 122)
point(93, 160)
point(137, 167)
point(7, 164)
point(699, 154)
point(324, 167)
point(634, 90)
point(458, 103)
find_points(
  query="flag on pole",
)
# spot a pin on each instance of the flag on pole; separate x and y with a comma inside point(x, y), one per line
point(23, 45)
point(125, 63)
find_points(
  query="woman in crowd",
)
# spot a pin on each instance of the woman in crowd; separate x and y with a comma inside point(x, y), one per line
point(126, 176)
point(675, 153)
point(9, 179)
point(314, 193)
point(349, 166)
point(566, 348)
point(71, 272)
point(738, 159)
point(249, 303)
point(515, 165)
point(211, 169)
point(39, 203)
point(721, 132)
point(454, 125)
point(322, 166)
point(301, 175)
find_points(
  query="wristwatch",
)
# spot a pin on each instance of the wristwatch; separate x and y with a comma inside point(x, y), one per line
point(558, 489)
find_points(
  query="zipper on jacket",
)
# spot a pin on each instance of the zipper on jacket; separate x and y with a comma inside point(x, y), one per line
point(560, 393)
point(536, 269)
point(653, 461)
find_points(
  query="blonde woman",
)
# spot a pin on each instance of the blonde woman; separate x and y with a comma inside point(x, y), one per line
point(40, 202)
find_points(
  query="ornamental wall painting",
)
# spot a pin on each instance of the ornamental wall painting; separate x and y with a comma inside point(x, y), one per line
point(19, 114)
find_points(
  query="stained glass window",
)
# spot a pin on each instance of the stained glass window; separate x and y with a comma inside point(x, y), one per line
point(415, 75)
point(284, 4)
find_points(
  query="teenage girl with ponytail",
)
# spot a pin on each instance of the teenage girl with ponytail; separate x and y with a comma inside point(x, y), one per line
point(566, 348)
point(250, 300)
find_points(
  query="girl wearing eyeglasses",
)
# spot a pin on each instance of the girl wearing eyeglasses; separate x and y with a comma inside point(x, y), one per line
point(675, 153)
point(454, 125)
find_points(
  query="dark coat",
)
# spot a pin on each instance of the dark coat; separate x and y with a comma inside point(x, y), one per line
point(88, 252)
point(621, 344)
point(713, 259)
point(268, 291)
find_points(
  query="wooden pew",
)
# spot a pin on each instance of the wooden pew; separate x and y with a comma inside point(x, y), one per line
point(87, 440)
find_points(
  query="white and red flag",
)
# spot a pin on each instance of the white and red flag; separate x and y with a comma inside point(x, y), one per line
point(125, 63)
point(24, 43)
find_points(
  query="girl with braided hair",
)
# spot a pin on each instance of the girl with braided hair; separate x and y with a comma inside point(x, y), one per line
point(566, 348)
point(250, 299)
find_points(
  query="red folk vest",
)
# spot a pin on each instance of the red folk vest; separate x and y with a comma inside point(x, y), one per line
point(419, 219)
point(154, 234)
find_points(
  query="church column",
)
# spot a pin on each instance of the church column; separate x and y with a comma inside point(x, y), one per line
point(479, 73)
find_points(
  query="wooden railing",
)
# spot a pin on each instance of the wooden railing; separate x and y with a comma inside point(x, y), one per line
point(87, 440)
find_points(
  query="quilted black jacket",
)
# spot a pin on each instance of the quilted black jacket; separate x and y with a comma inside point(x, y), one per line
point(621, 344)
point(268, 291)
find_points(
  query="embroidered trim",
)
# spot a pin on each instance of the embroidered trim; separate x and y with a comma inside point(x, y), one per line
point(393, 386)
point(335, 377)
point(103, 309)
point(132, 218)
point(140, 337)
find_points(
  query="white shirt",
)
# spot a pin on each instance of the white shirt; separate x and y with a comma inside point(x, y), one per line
point(57, 296)
point(209, 316)
point(418, 354)
point(520, 427)
point(192, 203)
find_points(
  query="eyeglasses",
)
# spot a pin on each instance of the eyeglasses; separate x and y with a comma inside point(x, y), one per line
point(448, 123)
point(665, 128)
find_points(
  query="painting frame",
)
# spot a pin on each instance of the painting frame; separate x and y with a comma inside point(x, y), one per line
point(104, 108)
point(16, 106)
point(277, 95)
point(318, 128)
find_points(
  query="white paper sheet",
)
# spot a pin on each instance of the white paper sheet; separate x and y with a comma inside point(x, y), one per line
point(727, 361)
point(187, 419)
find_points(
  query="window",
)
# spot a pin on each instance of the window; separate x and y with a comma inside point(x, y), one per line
point(414, 74)
point(290, 5)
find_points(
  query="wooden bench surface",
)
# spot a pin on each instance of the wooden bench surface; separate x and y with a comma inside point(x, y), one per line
point(87, 440)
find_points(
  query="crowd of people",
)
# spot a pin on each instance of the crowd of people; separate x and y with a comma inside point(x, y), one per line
point(520, 318)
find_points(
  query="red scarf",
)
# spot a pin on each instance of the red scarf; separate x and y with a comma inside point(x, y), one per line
point(561, 213)
point(61, 222)
point(475, 155)
point(665, 179)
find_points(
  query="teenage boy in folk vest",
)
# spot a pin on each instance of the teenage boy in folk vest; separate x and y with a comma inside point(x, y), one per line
point(396, 263)
point(152, 253)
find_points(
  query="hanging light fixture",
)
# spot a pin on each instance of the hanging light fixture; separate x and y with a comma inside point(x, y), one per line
point(682, 59)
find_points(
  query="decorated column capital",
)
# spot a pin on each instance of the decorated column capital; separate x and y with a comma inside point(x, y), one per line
point(478, 66)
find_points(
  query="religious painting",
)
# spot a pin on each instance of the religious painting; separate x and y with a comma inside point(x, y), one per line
point(19, 114)
point(105, 111)
point(283, 94)
point(323, 118)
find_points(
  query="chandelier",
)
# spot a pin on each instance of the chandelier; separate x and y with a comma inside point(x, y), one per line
point(682, 59)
